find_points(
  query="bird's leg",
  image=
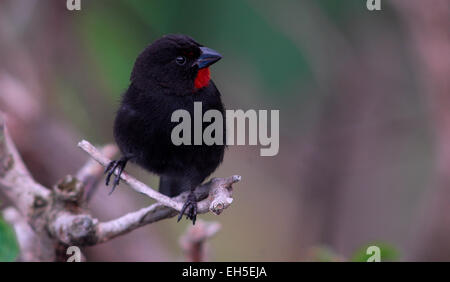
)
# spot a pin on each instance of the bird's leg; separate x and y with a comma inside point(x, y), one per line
point(111, 168)
point(190, 207)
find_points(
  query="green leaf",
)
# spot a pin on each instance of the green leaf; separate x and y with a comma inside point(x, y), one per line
point(387, 252)
point(9, 248)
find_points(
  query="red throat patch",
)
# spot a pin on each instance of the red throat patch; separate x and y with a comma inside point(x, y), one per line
point(202, 78)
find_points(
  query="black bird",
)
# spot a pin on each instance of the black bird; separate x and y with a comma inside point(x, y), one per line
point(170, 74)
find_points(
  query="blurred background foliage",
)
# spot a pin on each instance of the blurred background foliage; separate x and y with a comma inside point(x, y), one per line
point(356, 153)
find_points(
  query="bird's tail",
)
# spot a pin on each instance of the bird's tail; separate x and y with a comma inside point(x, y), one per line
point(169, 186)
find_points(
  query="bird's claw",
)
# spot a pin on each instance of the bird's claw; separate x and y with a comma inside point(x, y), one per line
point(189, 208)
point(111, 168)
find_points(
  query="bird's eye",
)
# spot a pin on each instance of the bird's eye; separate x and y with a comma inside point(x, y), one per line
point(180, 60)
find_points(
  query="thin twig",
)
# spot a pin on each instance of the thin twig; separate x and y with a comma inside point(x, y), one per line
point(217, 203)
point(131, 181)
point(92, 172)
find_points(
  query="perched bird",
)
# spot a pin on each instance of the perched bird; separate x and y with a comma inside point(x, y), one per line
point(170, 74)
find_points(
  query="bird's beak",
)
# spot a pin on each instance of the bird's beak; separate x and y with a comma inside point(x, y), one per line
point(207, 57)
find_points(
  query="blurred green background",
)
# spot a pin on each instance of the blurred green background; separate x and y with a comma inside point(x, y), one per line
point(356, 156)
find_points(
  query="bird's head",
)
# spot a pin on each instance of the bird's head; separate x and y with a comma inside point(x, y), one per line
point(176, 63)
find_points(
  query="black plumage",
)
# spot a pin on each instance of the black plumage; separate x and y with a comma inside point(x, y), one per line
point(163, 80)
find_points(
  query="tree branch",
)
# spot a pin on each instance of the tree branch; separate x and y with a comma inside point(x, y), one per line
point(82, 229)
point(14, 174)
point(29, 198)
point(218, 189)
point(58, 217)
point(26, 237)
point(92, 172)
point(219, 201)
point(194, 241)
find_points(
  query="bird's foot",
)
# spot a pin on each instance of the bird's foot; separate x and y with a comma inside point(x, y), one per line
point(111, 168)
point(189, 208)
